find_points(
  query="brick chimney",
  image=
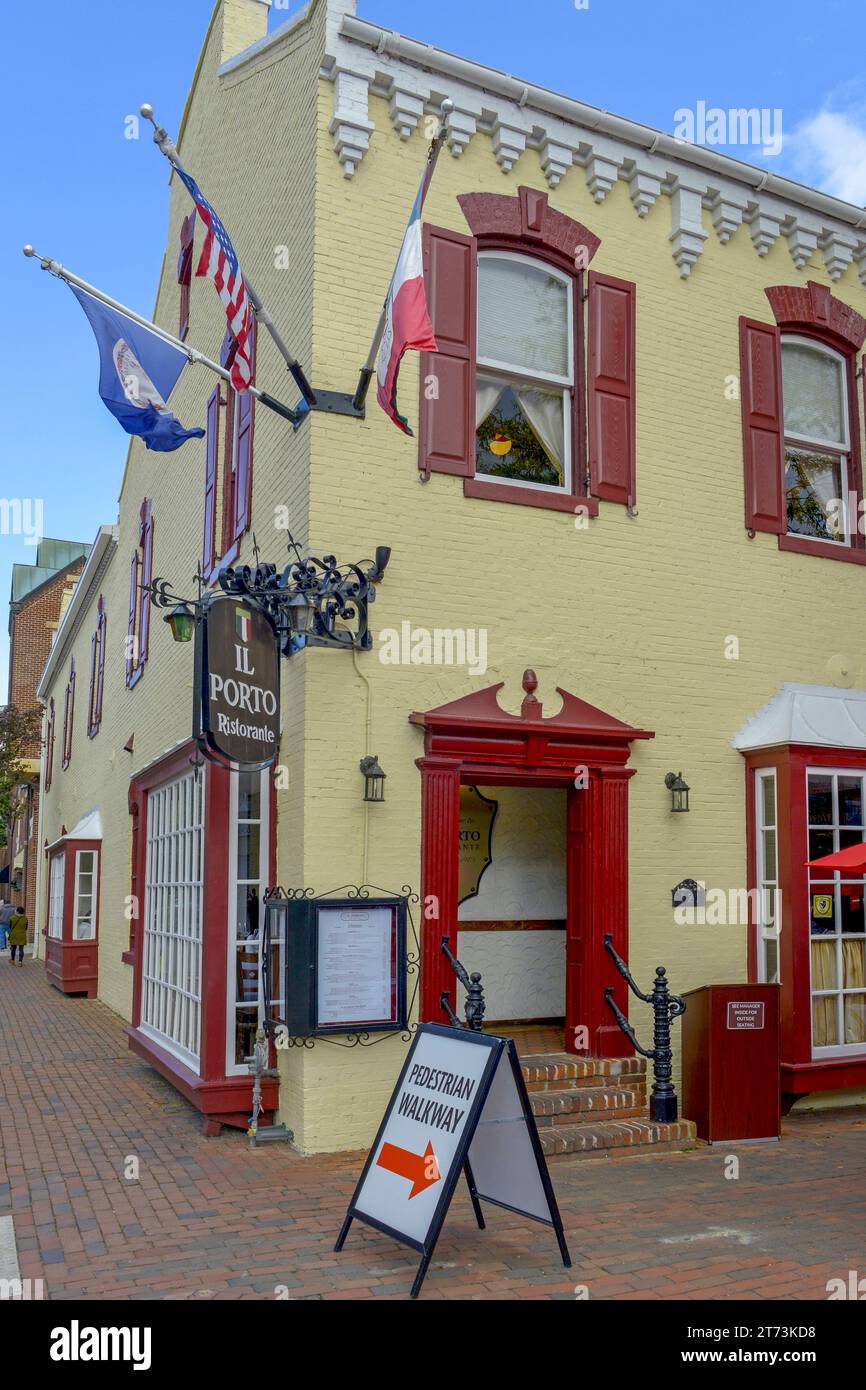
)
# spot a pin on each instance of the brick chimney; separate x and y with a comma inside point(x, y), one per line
point(244, 22)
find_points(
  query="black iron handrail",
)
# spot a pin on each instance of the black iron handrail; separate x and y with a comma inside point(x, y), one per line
point(475, 1006)
point(666, 1007)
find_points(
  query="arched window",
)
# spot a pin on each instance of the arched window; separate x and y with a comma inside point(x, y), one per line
point(817, 437)
point(525, 379)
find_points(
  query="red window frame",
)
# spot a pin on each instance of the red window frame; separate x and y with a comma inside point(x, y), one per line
point(603, 399)
point(68, 716)
point(140, 576)
point(804, 312)
point(97, 671)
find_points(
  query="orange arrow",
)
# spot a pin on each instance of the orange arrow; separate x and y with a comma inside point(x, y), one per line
point(421, 1169)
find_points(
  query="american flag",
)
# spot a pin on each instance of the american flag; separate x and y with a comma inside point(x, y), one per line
point(219, 260)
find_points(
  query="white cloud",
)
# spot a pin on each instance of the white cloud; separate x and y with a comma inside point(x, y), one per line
point(828, 150)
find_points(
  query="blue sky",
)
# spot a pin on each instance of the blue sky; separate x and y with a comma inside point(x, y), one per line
point(86, 195)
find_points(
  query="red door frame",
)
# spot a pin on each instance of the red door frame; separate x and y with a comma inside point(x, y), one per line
point(222, 1099)
point(474, 741)
point(801, 1073)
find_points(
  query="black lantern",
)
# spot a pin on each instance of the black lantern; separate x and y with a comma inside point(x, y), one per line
point(301, 614)
point(679, 791)
point(374, 779)
point(181, 620)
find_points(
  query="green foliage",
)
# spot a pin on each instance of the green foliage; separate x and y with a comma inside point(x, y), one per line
point(527, 459)
point(19, 731)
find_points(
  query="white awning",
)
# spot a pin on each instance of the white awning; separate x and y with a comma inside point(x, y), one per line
point(818, 714)
point(88, 828)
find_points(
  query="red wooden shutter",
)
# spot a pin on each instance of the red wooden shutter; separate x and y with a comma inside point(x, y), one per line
point(244, 453)
point(611, 388)
point(100, 674)
point(146, 577)
point(761, 400)
point(131, 652)
point(49, 745)
point(68, 715)
point(210, 481)
point(447, 422)
point(91, 697)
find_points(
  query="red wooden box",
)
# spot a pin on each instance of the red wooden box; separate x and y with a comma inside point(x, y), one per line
point(731, 1079)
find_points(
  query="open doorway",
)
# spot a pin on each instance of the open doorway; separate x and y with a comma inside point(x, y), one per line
point(513, 908)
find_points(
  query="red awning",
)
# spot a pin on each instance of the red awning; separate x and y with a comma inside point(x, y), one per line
point(853, 858)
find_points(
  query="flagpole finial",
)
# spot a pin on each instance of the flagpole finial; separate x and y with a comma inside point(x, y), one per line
point(146, 110)
point(29, 250)
point(447, 107)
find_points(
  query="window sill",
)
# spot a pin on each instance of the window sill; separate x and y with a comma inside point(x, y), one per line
point(528, 497)
point(135, 676)
point(128, 957)
point(224, 561)
point(825, 549)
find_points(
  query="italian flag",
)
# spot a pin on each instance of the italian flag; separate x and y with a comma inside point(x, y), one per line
point(407, 321)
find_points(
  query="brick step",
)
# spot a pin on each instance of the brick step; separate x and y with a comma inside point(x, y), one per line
point(563, 1071)
point(638, 1136)
point(587, 1103)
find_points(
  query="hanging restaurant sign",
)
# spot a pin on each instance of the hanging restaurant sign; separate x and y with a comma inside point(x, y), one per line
point(238, 683)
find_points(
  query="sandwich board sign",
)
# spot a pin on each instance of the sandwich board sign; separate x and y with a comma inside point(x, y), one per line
point(459, 1105)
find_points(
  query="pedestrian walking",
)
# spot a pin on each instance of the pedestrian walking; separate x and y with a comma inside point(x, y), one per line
point(18, 934)
point(6, 911)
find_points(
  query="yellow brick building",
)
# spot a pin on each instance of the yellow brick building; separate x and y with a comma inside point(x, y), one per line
point(677, 572)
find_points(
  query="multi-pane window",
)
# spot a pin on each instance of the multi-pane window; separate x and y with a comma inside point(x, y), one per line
point(767, 913)
point(56, 882)
point(525, 379)
point(836, 913)
point(84, 908)
point(171, 952)
point(817, 439)
point(248, 880)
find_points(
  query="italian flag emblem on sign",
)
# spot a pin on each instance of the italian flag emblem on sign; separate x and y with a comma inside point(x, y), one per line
point(242, 624)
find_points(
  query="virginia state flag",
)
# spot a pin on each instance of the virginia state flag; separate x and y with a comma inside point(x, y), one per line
point(137, 374)
point(407, 322)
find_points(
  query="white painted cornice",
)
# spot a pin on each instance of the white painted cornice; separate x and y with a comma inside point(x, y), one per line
point(362, 57)
point(101, 553)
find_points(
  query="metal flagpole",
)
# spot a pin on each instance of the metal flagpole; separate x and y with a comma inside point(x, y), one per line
point(167, 147)
point(55, 268)
point(369, 366)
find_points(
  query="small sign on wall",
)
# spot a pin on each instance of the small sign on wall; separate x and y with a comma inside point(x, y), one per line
point(745, 1014)
point(477, 814)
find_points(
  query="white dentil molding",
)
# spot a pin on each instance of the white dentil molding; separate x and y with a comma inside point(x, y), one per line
point(361, 57)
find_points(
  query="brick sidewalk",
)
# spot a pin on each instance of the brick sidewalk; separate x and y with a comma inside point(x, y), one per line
point(211, 1219)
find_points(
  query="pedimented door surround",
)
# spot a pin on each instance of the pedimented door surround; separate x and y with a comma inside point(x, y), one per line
point(474, 741)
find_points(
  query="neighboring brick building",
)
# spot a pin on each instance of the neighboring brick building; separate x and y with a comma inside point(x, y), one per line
point(40, 595)
point(644, 404)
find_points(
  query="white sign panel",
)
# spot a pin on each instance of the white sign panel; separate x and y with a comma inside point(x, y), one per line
point(503, 1161)
point(421, 1137)
point(356, 982)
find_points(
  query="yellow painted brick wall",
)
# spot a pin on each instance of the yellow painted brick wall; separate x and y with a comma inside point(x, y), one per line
point(632, 614)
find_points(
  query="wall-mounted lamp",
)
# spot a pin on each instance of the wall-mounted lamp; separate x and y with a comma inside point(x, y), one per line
point(374, 778)
point(679, 791)
point(181, 620)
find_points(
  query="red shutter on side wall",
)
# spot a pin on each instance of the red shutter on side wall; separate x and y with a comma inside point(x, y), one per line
point(761, 402)
point(94, 666)
point(244, 405)
point(447, 424)
point(210, 480)
point(611, 388)
point(100, 674)
point(146, 577)
point(131, 654)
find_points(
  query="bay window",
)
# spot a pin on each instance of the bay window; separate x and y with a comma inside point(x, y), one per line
point(249, 842)
point(837, 922)
point(767, 877)
point(56, 886)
